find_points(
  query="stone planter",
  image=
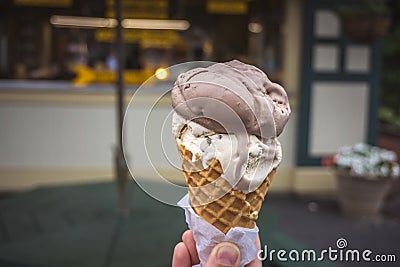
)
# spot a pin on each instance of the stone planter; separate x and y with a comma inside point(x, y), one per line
point(361, 198)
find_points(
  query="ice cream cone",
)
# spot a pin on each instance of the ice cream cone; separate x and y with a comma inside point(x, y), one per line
point(226, 122)
point(215, 200)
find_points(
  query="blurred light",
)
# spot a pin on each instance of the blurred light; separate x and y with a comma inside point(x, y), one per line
point(208, 47)
point(91, 22)
point(82, 22)
point(156, 24)
point(255, 27)
point(162, 73)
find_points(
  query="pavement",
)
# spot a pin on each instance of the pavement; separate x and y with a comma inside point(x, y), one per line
point(318, 223)
point(77, 225)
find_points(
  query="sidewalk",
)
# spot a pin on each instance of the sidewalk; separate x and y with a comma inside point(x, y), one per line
point(76, 226)
point(318, 224)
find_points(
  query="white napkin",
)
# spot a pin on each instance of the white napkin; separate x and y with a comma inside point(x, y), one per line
point(208, 236)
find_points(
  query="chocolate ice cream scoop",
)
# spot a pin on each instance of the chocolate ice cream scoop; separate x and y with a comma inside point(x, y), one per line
point(205, 95)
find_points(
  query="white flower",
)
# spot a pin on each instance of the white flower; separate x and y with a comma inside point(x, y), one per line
point(361, 147)
point(396, 170)
point(368, 161)
point(358, 168)
point(384, 170)
point(387, 155)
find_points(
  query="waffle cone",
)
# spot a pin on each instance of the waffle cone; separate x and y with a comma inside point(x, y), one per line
point(215, 200)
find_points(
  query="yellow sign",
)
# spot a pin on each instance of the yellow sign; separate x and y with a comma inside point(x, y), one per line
point(146, 38)
point(148, 4)
point(139, 14)
point(229, 7)
point(139, 9)
point(45, 3)
point(86, 75)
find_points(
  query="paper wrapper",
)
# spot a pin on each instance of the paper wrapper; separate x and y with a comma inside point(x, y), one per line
point(208, 236)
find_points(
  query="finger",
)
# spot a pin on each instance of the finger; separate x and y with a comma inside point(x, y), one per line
point(258, 242)
point(256, 262)
point(181, 257)
point(223, 255)
point(188, 239)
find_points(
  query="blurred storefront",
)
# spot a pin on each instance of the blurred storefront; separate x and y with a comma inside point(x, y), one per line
point(43, 39)
point(57, 68)
point(58, 62)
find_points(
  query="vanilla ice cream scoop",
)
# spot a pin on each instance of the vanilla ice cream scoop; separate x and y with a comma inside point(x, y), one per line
point(206, 145)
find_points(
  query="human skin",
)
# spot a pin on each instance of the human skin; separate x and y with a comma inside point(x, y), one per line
point(185, 254)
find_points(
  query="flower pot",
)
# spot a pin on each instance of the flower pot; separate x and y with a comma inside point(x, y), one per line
point(365, 28)
point(360, 197)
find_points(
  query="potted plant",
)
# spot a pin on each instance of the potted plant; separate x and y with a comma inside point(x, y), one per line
point(364, 174)
point(364, 20)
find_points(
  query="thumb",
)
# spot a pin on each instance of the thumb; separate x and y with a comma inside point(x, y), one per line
point(223, 255)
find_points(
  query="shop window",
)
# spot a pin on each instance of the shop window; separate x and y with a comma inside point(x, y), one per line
point(60, 40)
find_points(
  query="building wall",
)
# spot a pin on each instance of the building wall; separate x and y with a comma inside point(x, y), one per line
point(46, 143)
point(52, 137)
